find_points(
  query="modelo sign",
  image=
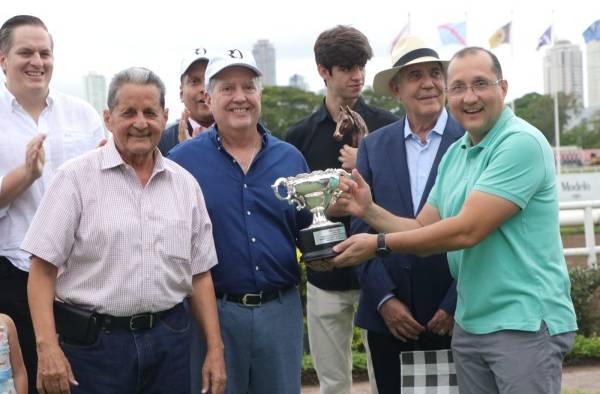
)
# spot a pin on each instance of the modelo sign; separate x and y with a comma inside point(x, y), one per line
point(578, 187)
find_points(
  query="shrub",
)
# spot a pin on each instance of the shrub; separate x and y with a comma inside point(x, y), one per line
point(584, 283)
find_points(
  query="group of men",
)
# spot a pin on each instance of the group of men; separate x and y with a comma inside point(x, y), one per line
point(132, 244)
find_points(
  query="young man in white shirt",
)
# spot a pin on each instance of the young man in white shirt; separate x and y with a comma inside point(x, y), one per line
point(41, 129)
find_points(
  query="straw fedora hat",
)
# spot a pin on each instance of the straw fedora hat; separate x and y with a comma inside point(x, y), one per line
point(408, 50)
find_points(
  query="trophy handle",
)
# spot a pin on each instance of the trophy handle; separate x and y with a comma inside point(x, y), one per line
point(275, 187)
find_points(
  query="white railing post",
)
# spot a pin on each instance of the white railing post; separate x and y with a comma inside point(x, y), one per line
point(574, 213)
point(590, 237)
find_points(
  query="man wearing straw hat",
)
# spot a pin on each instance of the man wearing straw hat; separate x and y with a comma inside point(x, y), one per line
point(406, 302)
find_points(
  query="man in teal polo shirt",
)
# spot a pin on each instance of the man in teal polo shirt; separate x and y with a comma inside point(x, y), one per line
point(494, 209)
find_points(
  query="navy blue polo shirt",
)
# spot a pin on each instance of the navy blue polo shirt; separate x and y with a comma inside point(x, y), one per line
point(255, 233)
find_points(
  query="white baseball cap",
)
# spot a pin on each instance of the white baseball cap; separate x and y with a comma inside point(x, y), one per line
point(230, 58)
point(192, 56)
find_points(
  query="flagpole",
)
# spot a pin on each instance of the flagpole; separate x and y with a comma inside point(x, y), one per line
point(556, 117)
point(512, 52)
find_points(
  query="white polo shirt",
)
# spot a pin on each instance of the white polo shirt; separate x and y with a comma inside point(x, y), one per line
point(73, 127)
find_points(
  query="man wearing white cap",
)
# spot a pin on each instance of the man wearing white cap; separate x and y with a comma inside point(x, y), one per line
point(406, 302)
point(255, 234)
point(196, 116)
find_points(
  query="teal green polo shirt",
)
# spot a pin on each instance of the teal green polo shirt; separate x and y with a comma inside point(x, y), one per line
point(517, 276)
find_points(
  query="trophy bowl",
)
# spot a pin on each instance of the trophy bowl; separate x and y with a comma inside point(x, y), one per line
point(316, 191)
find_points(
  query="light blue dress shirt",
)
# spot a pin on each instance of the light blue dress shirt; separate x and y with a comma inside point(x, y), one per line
point(420, 156)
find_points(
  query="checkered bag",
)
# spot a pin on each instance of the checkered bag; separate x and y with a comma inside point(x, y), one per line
point(428, 372)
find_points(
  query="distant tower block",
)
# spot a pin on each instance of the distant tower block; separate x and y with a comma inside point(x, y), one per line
point(264, 54)
point(95, 91)
point(563, 69)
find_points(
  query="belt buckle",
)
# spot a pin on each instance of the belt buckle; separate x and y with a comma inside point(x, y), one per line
point(246, 302)
point(148, 316)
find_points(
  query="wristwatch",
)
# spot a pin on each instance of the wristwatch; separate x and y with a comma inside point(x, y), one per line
point(382, 250)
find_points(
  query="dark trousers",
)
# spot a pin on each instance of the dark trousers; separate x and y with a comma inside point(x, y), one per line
point(385, 355)
point(153, 361)
point(13, 302)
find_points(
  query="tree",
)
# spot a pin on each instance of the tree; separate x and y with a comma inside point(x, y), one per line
point(385, 102)
point(586, 134)
point(282, 106)
point(538, 110)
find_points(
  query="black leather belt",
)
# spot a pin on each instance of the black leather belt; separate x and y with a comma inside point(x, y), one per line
point(250, 299)
point(140, 321)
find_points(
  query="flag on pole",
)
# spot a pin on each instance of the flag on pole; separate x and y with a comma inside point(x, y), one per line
point(405, 31)
point(592, 33)
point(545, 39)
point(453, 33)
point(501, 36)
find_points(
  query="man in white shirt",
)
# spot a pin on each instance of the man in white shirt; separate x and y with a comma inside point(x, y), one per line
point(41, 129)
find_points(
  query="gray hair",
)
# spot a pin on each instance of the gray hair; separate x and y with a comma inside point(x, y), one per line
point(213, 82)
point(136, 76)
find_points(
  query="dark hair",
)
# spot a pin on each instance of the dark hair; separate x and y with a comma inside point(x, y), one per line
point(342, 46)
point(496, 68)
point(16, 21)
point(137, 76)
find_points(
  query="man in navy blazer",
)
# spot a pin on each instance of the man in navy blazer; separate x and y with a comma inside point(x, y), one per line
point(406, 306)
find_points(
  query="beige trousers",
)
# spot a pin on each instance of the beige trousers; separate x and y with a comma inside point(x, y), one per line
point(330, 316)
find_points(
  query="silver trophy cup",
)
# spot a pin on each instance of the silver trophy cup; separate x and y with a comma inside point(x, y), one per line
point(315, 191)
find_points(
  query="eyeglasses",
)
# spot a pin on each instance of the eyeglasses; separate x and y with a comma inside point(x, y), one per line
point(477, 88)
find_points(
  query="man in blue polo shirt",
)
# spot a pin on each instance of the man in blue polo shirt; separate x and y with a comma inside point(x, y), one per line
point(494, 208)
point(236, 162)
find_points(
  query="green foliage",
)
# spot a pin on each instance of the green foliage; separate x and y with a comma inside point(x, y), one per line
point(585, 135)
point(357, 343)
point(389, 103)
point(585, 347)
point(570, 230)
point(538, 110)
point(282, 106)
point(583, 284)
point(359, 361)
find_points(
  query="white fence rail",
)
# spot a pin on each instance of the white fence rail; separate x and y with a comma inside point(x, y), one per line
point(586, 213)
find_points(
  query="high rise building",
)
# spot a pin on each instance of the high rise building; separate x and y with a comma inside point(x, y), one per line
point(264, 54)
point(95, 91)
point(593, 73)
point(563, 69)
point(298, 81)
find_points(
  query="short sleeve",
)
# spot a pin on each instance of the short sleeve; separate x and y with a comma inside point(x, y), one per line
point(515, 171)
point(51, 234)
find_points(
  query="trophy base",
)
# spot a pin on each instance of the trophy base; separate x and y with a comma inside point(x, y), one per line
point(317, 242)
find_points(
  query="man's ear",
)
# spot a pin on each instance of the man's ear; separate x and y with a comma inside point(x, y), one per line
point(106, 117)
point(323, 72)
point(3, 62)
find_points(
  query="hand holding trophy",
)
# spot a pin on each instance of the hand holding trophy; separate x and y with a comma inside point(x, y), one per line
point(316, 191)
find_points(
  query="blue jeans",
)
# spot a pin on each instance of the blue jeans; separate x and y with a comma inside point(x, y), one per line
point(263, 346)
point(148, 361)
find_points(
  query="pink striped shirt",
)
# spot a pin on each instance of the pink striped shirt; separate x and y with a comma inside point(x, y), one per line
point(122, 248)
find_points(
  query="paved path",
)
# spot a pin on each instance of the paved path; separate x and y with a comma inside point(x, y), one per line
point(583, 379)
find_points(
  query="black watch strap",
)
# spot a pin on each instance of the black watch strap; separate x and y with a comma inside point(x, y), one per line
point(382, 249)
